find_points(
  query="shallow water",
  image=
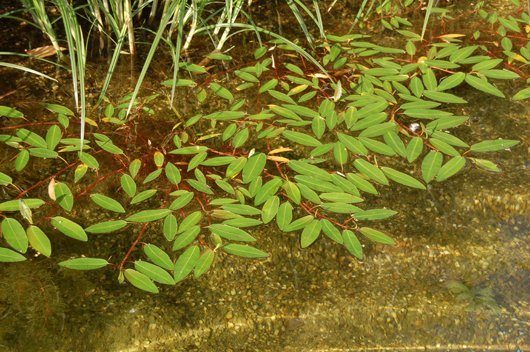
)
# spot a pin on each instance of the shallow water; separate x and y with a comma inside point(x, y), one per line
point(472, 229)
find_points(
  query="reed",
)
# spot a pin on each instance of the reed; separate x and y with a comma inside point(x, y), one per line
point(428, 11)
point(77, 53)
point(176, 23)
point(37, 10)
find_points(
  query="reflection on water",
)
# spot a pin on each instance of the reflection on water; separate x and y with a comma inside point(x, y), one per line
point(471, 231)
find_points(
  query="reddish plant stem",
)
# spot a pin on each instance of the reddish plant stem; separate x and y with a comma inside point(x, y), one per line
point(98, 181)
point(133, 246)
point(41, 182)
point(29, 124)
point(277, 164)
point(138, 239)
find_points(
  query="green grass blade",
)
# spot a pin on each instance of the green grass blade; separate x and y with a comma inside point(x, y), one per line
point(26, 69)
point(427, 15)
point(156, 40)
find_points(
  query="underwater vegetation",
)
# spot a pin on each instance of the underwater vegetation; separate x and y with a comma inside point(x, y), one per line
point(476, 297)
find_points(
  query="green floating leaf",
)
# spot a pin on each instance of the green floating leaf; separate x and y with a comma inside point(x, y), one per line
point(14, 205)
point(444, 97)
point(204, 263)
point(39, 241)
point(414, 149)
point(10, 112)
point(154, 272)
point(331, 231)
point(134, 167)
point(271, 84)
point(242, 209)
point(340, 153)
point(186, 262)
point(500, 74)
point(128, 185)
point(107, 226)
point(14, 234)
point(89, 160)
point(80, 172)
point(402, 178)
point(301, 138)
point(374, 214)
point(9, 256)
point(182, 201)
point(242, 222)
point(141, 281)
point(144, 195)
point(352, 244)
point(187, 237)
point(483, 85)
point(107, 203)
point(22, 160)
point(231, 233)
point(270, 209)
point(486, 165)
point(173, 173)
point(148, 215)
point(235, 167)
point(443, 147)
point(152, 176)
point(431, 165)
point(378, 130)
point(189, 221)
point(200, 186)
point(197, 160)
point(310, 233)
point(284, 215)
point(299, 224)
point(53, 136)
point(361, 183)
point(158, 256)
point(450, 168)
point(451, 81)
point(308, 169)
point(254, 167)
point(219, 56)
point(69, 228)
point(59, 109)
point(522, 94)
point(371, 171)
point(5, 179)
point(221, 91)
point(31, 138)
point(170, 227)
point(64, 196)
point(292, 191)
point(245, 251)
point(109, 147)
point(84, 263)
point(493, 145)
point(376, 236)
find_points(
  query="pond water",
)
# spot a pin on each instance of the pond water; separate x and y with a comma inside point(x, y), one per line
point(471, 230)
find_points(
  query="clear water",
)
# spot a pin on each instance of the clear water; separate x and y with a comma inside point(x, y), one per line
point(472, 229)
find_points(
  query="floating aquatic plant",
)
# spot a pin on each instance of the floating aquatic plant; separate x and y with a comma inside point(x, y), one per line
point(305, 154)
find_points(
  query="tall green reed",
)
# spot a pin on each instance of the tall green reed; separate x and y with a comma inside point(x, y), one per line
point(177, 22)
point(77, 53)
point(37, 10)
point(428, 11)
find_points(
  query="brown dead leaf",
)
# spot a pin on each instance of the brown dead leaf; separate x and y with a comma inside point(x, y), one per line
point(43, 51)
point(280, 159)
point(51, 189)
point(280, 150)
